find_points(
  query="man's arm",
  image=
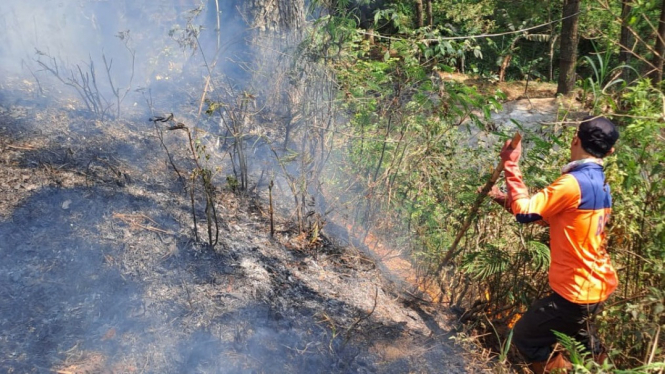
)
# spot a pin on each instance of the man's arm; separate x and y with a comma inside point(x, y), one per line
point(560, 195)
point(500, 198)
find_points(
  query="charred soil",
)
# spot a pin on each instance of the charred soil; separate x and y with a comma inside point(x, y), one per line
point(100, 271)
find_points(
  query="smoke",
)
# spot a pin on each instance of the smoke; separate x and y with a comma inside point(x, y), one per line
point(119, 46)
point(115, 55)
point(109, 56)
point(133, 59)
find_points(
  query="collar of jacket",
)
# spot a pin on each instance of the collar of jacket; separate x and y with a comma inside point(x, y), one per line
point(574, 165)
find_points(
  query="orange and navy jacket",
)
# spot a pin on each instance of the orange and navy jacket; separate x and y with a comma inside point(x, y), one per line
point(576, 206)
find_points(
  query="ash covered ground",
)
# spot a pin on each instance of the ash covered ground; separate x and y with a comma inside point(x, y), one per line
point(100, 271)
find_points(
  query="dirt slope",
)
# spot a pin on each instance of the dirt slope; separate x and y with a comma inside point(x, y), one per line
point(100, 273)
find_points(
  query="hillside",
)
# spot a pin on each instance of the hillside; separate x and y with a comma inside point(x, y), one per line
point(291, 186)
point(100, 271)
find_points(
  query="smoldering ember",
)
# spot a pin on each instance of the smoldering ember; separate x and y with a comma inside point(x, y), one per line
point(163, 207)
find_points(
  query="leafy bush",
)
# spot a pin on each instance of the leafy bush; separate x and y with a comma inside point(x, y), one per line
point(413, 160)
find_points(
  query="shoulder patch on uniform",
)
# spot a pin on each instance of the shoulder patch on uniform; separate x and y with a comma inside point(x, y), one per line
point(595, 194)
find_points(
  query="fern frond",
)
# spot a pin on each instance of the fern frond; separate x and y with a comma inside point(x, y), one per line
point(576, 349)
point(482, 265)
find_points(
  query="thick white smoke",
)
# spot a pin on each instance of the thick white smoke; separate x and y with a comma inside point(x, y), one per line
point(142, 41)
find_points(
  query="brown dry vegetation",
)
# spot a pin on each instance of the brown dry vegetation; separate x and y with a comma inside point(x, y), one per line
point(514, 90)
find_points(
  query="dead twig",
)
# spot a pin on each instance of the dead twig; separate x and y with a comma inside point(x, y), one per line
point(160, 135)
point(205, 175)
point(39, 85)
point(189, 296)
point(272, 220)
point(125, 38)
point(133, 221)
point(84, 82)
point(21, 148)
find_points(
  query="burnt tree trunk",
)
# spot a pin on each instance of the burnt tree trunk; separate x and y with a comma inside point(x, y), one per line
point(625, 40)
point(278, 76)
point(276, 27)
point(656, 74)
point(274, 16)
point(568, 51)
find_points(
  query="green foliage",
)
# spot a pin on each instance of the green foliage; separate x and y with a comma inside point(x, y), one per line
point(396, 17)
point(467, 16)
point(583, 362)
point(411, 153)
point(232, 182)
point(505, 348)
point(602, 79)
point(538, 255)
point(637, 232)
point(449, 52)
point(485, 263)
point(575, 349)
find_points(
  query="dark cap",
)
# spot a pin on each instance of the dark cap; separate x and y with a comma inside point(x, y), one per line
point(598, 135)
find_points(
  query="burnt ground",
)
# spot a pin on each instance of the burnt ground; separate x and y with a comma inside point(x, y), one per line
point(100, 271)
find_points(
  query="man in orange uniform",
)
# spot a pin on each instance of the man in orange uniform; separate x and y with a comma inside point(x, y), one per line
point(576, 206)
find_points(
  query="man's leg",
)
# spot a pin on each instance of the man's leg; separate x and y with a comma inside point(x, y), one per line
point(532, 334)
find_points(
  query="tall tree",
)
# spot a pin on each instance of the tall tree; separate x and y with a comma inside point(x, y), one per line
point(656, 74)
point(419, 13)
point(626, 39)
point(275, 15)
point(428, 13)
point(568, 50)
